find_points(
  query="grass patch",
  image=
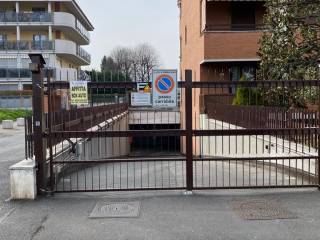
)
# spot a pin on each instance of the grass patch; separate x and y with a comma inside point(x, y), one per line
point(6, 114)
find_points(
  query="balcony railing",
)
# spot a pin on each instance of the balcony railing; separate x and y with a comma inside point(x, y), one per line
point(57, 74)
point(20, 73)
point(82, 30)
point(83, 54)
point(26, 45)
point(24, 17)
point(235, 27)
point(15, 73)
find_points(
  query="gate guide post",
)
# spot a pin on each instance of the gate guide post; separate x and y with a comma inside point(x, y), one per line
point(40, 153)
point(318, 133)
point(189, 126)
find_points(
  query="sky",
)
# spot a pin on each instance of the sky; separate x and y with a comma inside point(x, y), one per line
point(131, 22)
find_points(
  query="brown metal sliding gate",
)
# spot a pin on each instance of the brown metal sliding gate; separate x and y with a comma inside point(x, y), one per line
point(246, 134)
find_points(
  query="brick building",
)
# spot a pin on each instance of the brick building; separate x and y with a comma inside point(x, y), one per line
point(219, 41)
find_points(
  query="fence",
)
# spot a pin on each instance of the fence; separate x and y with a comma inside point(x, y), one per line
point(259, 143)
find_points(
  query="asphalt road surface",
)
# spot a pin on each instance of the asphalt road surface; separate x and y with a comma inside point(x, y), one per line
point(11, 152)
point(163, 215)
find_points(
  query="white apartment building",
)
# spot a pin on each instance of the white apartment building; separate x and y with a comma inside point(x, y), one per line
point(55, 28)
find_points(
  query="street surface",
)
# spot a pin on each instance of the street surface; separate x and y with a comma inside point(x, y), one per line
point(164, 215)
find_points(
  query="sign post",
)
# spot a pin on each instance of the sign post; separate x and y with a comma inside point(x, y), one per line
point(79, 92)
point(164, 88)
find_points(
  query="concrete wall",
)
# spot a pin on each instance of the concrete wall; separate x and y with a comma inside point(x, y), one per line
point(253, 146)
point(102, 148)
point(94, 149)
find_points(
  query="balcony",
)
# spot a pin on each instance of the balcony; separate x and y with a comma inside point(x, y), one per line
point(72, 51)
point(233, 16)
point(29, 46)
point(25, 17)
point(60, 20)
point(58, 74)
point(231, 30)
point(66, 48)
point(67, 22)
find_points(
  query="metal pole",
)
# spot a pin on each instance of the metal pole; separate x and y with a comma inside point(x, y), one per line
point(39, 126)
point(188, 123)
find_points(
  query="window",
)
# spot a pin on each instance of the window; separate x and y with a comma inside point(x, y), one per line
point(180, 48)
point(39, 41)
point(58, 34)
point(3, 38)
point(39, 37)
point(185, 35)
point(203, 15)
point(57, 6)
point(39, 15)
point(243, 15)
point(237, 72)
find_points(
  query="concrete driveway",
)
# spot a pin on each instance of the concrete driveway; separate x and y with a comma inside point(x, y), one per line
point(163, 215)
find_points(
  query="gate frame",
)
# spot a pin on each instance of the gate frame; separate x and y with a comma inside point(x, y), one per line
point(40, 135)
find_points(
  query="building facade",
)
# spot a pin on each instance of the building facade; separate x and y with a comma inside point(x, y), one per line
point(55, 28)
point(219, 41)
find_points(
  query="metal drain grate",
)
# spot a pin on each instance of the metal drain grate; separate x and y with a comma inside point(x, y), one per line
point(116, 210)
point(261, 209)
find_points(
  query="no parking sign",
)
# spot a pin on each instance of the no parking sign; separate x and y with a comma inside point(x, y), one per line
point(164, 88)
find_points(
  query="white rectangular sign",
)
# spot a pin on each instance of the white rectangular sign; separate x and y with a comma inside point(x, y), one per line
point(139, 99)
point(164, 88)
point(79, 92)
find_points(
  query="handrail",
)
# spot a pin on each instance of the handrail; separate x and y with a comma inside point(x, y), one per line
point(235, 27)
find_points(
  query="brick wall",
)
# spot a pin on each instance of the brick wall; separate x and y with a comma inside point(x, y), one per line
point(231, 45)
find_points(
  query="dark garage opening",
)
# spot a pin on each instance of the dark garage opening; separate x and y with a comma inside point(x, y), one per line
point(155, 145)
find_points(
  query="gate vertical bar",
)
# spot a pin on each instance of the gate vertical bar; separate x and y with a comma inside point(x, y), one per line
point(50, 129)
point(189, 126)
point(39, 120)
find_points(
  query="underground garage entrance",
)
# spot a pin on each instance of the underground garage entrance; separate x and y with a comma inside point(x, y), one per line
point(150, 119)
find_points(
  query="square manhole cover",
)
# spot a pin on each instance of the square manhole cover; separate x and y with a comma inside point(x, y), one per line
point(261, 209)
point(116, 210)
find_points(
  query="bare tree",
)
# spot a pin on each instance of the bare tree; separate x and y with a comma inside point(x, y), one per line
point(145, 58)
point(122, 57)
point(135, 63)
